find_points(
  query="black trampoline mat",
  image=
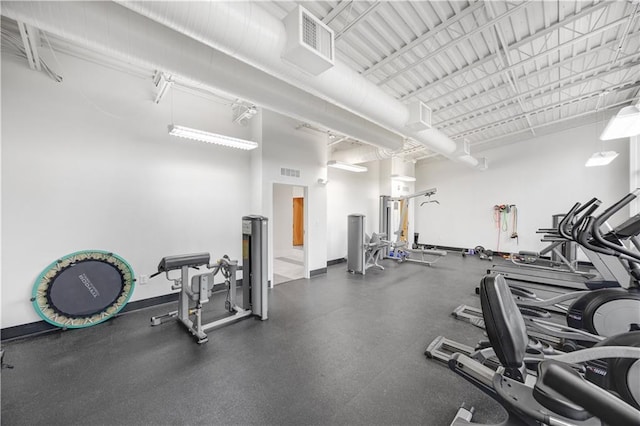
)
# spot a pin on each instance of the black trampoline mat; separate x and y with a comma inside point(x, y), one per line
point(85, 288)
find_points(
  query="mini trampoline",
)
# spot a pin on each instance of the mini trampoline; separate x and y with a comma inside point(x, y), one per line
point(83, 289)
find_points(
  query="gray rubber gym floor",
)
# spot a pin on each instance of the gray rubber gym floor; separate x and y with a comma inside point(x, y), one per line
point(337, 349)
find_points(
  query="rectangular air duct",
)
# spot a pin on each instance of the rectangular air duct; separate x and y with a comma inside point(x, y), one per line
point(310, 43)
point(419, 116)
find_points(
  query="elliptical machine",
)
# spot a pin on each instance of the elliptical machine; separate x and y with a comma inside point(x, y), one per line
point(610, 311)
point(526, 399)
point(601, 311)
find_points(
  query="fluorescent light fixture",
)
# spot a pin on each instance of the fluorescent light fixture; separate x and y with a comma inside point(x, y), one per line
point(346, 166)
point(624, 124)
point(601, 158)
point(202, 136)
point(403, 178)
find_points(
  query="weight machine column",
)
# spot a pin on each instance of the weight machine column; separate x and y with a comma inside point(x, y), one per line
point(384, 222)
point(355, 244)
point(254, 265)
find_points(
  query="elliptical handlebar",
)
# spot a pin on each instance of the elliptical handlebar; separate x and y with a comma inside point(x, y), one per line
point(578, 227)
point(597, 223)
point(584, 238)
point(563, 226)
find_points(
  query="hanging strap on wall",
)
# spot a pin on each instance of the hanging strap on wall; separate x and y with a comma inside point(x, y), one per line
point(504, 211)
point(514, 222)
point(501, 214)
point(497, 217)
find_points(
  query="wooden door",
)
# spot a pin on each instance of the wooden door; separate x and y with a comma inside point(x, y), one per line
point(298, 221)
point(404, 220)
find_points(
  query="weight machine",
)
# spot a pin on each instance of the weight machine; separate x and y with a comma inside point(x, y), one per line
point(400, 249)
point(199, 288)
point(363, 250)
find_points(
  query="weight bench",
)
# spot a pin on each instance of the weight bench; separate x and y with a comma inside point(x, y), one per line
point(199, 289)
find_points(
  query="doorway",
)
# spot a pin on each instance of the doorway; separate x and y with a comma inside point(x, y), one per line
point(288, 233)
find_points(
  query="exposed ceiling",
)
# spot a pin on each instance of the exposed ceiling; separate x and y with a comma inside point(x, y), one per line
point(492, 72)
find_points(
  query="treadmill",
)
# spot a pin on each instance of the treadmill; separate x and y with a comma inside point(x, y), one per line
point(609, 272)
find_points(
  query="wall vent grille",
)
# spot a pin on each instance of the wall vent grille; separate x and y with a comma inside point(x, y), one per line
point(289, 172)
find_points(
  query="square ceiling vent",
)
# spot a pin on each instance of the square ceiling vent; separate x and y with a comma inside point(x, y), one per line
point(419, 116)
point(310, 43)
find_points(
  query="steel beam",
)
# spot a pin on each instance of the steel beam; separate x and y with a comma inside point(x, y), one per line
point(545, 53)
point(560, 64)
point(452, 43)
point(360, 17)
point(422, 38)
point(336, 11)
point(513, 46)
point(548, 123)
point(624, 86)
point(542, 90)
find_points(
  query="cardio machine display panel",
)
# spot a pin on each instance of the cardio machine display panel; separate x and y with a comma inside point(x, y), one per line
point(83, 289)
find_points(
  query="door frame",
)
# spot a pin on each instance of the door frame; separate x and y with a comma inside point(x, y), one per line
point(305, 246)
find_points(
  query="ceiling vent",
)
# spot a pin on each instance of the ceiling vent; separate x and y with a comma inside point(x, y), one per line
point(462, 148)
point(309, 42)
point(419, 116)
point(483, 164)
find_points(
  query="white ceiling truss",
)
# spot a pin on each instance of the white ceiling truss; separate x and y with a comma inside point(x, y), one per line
point(490, 70)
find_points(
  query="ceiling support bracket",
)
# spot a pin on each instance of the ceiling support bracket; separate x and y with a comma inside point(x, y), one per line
point(30, 38)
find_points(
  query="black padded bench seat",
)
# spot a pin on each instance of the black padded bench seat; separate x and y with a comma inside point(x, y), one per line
point(193, 260)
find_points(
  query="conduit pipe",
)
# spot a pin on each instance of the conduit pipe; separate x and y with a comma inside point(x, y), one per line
point(246, 31)
point(116, 31)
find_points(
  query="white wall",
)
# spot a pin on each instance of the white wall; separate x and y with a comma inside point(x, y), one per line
point(544, 176)
point(88, 164)
point(304, 150)
point(348, 193)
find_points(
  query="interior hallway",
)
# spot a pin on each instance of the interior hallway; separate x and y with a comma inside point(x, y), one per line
point(288, 265)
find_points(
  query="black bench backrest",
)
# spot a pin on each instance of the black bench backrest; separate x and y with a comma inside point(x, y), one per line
point(504, 324)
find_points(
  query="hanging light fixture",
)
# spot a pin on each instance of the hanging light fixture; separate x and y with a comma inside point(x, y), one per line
point(403, 178)
point(202, 136)
point(601, 158)
point(624, 124)
point(346, 166)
